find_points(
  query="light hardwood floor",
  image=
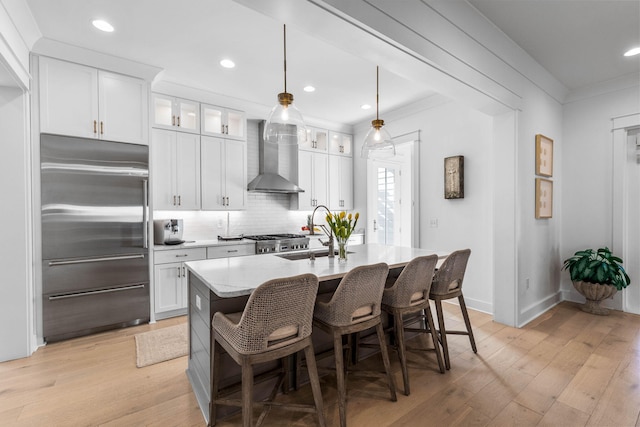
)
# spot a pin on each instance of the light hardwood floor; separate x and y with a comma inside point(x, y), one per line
point(567, 368)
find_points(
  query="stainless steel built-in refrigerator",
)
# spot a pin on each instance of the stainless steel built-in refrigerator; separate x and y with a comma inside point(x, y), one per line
point(95, 269)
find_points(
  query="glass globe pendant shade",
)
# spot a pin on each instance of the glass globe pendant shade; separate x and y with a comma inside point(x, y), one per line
point(285, 124)
point(378, 143)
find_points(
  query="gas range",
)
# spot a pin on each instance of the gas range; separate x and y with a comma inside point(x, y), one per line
point(272, 243)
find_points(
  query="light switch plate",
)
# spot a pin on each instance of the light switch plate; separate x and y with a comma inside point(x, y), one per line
point(198, 305)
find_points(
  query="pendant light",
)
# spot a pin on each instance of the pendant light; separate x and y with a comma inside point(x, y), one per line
point(377, 143)
point(285, 124)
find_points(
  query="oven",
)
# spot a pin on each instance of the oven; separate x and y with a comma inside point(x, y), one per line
point(274, 243)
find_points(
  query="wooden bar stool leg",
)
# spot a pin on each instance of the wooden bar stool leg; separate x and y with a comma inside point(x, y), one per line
point(443, 334)
point(429, 320)
point(247, 394)
point(467, 323)
point(385, 360)
point(399, 327)
point(340, 378)
point(315, 383)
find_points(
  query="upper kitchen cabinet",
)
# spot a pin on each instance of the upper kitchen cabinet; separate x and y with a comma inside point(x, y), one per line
point(77, 100)
point(313, 179)
point(340, 144)
point(175, 113)
point(219, 121)
point(317, 140)
point(175, 169)
point(224, 174)
point(340, 183)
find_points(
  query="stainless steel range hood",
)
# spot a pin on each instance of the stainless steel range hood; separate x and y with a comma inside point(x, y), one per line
point(269, 179)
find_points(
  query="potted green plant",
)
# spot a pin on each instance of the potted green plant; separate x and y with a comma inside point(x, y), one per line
point(597, 275)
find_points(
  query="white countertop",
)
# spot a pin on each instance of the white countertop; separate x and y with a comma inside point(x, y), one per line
point(203, 244)
point(232, 277)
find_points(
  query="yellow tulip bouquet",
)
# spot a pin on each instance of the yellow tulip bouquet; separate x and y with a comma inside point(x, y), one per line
point(342, 225)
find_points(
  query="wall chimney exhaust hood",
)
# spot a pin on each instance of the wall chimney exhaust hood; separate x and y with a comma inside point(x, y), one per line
point(269, 179)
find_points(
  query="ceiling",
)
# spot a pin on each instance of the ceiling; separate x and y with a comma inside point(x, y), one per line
point(580, 42)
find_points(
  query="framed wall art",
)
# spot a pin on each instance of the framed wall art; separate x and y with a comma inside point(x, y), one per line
point(544, 198)
point(544, 155)
point(454, 177)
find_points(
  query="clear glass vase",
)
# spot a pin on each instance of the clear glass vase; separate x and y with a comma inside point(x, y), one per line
point(342, 249)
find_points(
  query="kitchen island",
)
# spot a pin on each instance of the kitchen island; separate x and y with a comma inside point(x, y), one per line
point(225, 284)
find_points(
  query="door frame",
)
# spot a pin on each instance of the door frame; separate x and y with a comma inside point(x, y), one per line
point(624, 128)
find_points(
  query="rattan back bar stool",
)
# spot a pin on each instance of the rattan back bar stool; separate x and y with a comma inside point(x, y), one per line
point(276, 323)
point(354, 307)
point(409, 295)
point(447, 284)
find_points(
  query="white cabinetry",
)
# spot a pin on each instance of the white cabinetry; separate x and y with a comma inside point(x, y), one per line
point(170, 279)
point(340, 144)
point(219, 121)
point(340, 182)
point(317, 140)
point(312, 178)
point(82, 101)
point(175, 168)
point(224, 174)
point(175, 113)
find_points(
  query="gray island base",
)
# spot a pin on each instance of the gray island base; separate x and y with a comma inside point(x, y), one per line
point(225, 284)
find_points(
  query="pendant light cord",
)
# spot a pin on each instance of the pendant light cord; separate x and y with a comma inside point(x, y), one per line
point(377, 95)
point(285, 57)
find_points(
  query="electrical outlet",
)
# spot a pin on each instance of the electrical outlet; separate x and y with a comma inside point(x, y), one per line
point(433, 223)
point(219, 223)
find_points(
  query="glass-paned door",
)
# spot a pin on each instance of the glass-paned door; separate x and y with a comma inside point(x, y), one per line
point(385, 205)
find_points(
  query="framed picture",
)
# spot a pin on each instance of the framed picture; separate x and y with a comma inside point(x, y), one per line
point(454, 177)
point(544, 155)
point(544, 198)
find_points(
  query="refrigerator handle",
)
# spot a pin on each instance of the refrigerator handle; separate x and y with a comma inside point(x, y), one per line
point(145, 207)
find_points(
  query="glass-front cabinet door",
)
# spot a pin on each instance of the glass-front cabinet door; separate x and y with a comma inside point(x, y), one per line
point(176, 113)
point(340, 143)
point(218, 121)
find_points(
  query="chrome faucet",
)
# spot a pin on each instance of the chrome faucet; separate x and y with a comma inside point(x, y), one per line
point(329, 233)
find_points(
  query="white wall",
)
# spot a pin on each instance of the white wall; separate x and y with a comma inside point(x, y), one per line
point(587, 175)
point(16, 305)
point(450, 129)
point(538, 240)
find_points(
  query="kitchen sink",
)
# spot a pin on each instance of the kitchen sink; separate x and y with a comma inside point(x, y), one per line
point(294, 256)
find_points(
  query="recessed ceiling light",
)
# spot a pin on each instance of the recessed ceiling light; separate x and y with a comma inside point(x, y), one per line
point(365, 106)
point(309, 89)
point(632, 52)
point(227, 63)
point(102, 25)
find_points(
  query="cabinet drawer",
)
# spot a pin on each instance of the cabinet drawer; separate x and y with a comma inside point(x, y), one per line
point(231, 251)
point(179, 255)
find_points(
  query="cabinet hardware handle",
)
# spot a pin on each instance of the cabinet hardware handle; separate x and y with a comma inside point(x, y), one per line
point(184, 272)
point(174, 200)
point(95, 126)
point(230, 252)
point(226, 129)
point(375, 225)
point(179, 200)
point(173, 120)
point(178, 271)
point(181, 255)
point(89, 293)
point(101, 128)
point(227, 201)
point(178, 121)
